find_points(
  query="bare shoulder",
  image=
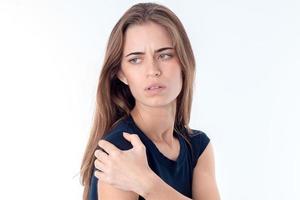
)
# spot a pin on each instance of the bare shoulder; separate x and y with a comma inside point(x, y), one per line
point(204, 181)
point(108, 192)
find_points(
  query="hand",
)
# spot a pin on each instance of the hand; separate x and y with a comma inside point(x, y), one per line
point(126, 170)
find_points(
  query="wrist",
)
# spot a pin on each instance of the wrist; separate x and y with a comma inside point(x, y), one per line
point(148, 185)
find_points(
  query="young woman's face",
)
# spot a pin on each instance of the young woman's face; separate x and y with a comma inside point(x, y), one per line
point(149, 58)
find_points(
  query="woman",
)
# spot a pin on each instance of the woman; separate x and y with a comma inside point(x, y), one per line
point(145, 89)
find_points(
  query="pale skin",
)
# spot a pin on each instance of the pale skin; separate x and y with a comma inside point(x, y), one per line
point(126, 174)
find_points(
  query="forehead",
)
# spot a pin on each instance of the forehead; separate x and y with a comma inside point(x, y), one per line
point(147, 35)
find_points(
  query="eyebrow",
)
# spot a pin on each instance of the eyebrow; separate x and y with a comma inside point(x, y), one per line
point(156, 51)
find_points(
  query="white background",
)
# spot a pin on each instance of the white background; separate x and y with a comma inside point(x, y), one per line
point(246, 99)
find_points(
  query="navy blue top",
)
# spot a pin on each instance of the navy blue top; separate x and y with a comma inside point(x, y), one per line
point(177, 173)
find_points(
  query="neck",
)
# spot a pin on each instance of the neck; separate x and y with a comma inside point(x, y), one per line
point(156, 122)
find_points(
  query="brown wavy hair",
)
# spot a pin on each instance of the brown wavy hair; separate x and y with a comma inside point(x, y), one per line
point(114, 100)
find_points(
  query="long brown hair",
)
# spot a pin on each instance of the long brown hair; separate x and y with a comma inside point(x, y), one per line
point(114, 100)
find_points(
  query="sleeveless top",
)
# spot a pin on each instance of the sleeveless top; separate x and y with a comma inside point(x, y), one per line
point(176, 173)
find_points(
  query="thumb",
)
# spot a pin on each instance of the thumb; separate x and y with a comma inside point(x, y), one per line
point(133, 139)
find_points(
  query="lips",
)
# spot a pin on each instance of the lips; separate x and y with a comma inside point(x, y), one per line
point(154, 86)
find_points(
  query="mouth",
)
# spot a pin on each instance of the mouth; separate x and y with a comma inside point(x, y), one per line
point(154, 88)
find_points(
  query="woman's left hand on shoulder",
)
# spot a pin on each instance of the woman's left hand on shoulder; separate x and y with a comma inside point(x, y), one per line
point(126, 170)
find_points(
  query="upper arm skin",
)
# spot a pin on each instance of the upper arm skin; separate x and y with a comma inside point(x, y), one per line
point(108, 192)
point(204, 182)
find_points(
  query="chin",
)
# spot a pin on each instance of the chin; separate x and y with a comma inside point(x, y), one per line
point(158, 102)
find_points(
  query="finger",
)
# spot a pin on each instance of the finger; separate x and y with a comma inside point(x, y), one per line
point(102, 177)
point(99, 174)
point(133, 139)
point(99, 165)
point(107, 146)
point(102, 156)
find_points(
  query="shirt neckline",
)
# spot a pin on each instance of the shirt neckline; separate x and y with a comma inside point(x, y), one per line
point(153, 147)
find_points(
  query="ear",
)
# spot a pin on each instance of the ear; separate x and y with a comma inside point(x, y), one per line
point(122, 77)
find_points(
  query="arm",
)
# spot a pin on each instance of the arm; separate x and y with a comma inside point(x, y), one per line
point(117, 175)
point(204, 181)
point(115, 183)
point(108, 192)
point(158, 189)
point(204, 185)
point(143, 180)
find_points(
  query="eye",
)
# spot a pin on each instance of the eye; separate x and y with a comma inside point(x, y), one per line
point(165, 56)
point(135, 60)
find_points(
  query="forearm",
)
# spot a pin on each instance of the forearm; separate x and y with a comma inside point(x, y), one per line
point(155, 188)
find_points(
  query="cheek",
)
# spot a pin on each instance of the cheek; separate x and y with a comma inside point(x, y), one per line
point(178, 79)
point(135, 84)
point(174, 73)
point(174, 79)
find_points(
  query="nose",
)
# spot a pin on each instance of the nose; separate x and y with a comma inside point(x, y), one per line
point(153, 68)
